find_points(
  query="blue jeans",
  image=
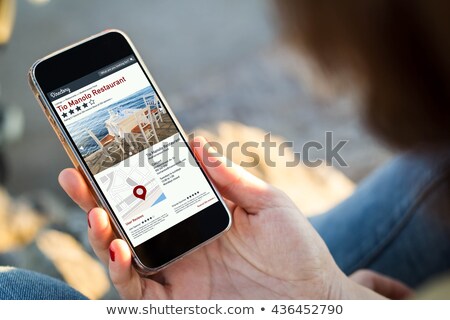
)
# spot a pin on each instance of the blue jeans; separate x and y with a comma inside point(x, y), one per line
point(16, 284)
point(397, 222)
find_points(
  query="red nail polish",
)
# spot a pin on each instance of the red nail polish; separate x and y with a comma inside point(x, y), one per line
point(89, 222)
point(112, 255)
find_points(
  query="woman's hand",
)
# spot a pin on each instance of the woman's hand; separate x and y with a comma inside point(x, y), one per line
point(270, 252)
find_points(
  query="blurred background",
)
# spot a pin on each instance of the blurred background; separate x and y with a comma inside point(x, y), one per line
point(222, 67)
point(182, 42)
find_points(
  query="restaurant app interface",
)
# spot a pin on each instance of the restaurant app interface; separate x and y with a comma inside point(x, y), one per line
point(133, 149)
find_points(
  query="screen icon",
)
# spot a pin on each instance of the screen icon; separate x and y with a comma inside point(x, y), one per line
point(140, 192)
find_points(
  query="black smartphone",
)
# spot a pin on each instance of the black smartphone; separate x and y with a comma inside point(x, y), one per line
point(120, 133)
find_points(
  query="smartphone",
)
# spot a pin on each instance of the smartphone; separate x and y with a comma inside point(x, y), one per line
point(120, 133)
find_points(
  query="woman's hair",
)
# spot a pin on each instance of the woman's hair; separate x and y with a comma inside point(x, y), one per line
point(398, 51)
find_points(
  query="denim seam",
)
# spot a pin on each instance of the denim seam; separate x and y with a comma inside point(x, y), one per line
point(397, 229)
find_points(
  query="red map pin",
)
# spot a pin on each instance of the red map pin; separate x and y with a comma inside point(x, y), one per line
point(140, 192)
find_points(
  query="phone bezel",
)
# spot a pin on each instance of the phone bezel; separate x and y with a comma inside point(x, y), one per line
point(91, 55)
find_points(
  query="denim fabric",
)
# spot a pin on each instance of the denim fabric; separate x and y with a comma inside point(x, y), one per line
point(17, 284)
point(397, 222)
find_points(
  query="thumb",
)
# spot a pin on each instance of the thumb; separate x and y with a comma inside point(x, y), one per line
point(231, 180)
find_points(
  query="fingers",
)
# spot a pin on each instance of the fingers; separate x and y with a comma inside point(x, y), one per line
point(100, 233)
point(74, 185)
point(125, 279)
point(232, 181)
point(386, 286)
point(111, 251)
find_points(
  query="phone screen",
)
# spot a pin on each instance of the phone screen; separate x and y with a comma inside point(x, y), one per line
point(133, 149)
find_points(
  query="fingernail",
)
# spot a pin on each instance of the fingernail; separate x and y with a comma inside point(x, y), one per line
point(112, 254)
point(89, 222)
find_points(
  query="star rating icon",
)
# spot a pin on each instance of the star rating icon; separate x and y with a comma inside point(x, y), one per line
point(64, 115)
point(71, 111)
point(193, 195)
point(85, 105)
point(92, 102)
point(78, 108)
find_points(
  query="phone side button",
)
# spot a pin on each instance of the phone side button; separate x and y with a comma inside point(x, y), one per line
point(52, 122)
point(42, 104)
point(61, 138)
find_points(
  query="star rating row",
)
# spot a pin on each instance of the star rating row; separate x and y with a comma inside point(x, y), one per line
point(78, 109)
